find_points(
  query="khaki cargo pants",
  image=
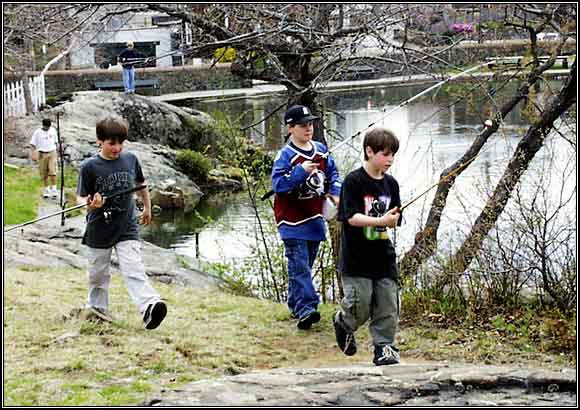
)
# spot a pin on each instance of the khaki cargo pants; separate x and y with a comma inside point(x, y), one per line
point(47, 163)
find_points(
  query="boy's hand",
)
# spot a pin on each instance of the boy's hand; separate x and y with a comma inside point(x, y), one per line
point(95, 201)
point(391, 218)
point(309, 166)
point(145, 218)
point(34, 155)
point(336, 199)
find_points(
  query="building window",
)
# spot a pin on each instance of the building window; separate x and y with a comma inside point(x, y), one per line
point(177, 61)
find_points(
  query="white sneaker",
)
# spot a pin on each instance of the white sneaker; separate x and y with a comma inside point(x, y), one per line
point(54, 193)
point(46, 193)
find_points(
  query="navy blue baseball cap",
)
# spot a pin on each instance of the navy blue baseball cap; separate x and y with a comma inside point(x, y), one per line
point(299, 114)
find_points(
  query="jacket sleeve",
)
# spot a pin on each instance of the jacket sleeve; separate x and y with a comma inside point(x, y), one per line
point(285, 177)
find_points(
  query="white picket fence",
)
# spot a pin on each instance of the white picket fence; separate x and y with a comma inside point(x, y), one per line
point(14, 103)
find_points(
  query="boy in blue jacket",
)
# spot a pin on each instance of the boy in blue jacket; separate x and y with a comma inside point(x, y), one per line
point(302, 174)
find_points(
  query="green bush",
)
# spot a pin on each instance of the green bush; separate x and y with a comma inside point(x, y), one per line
point(193, 164)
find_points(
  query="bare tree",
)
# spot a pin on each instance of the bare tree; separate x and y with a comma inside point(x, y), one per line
point(426, 244)
point(302, 45)
point(37, 36)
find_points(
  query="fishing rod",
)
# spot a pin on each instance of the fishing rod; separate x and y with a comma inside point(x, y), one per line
point(398, 107)
point(105, 198)
point(61, 153)
point(406, 102)
point(443, 179)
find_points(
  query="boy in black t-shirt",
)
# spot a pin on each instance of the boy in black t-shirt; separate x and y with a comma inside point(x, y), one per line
point(370, 202)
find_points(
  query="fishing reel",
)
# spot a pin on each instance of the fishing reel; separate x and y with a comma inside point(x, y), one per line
point(315, 182)
point(378, 209)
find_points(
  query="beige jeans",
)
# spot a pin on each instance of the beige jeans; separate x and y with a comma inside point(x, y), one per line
point(132, 269)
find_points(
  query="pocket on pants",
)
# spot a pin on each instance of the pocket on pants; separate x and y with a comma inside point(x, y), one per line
point(351, 301)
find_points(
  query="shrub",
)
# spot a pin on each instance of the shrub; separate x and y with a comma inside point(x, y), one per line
point(225, 55)
point(193, 164)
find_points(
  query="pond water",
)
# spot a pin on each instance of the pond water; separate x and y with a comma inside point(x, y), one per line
point(434, 131)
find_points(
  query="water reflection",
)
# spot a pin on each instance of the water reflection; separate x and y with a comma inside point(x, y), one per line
point(434, 132)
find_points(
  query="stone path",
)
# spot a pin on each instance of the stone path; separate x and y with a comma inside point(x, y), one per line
point(433, 384)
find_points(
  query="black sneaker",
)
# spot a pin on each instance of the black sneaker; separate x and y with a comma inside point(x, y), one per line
point(385, 355)
point(345, 340)
point(307, 321)
point(155, 314)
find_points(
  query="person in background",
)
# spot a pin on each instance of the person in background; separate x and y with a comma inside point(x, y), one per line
point(128, 58)
point(44, 143)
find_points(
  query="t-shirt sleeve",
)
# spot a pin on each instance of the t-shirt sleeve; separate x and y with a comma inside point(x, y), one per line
point(396, 197)
point(350, 199)
point(33, 139)
point(83, 184)
point(139, 177)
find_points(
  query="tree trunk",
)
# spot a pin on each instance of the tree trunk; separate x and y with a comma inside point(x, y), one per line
point(523, 155)
point(426, 240)
point(27, 94)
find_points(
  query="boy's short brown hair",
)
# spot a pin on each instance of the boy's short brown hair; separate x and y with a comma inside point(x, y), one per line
point(112, 128)
point(380, 139)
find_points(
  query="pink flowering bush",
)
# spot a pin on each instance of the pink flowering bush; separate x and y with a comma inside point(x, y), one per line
point(462, 27)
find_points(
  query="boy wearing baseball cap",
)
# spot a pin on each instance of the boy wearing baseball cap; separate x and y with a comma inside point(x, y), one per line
point(302, 174)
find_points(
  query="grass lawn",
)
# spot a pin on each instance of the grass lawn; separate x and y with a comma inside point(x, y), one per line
point(53, 358)
point(22, 190)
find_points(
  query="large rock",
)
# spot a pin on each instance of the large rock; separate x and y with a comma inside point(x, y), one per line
point(364, 385)
point(156, 132)
point(48, 243)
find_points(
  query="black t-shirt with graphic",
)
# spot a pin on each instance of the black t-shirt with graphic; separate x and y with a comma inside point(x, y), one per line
point(368, 251)
point(116, 221)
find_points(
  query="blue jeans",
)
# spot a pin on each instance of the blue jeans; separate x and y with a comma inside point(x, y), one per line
point(129, 79)
point(302, 297)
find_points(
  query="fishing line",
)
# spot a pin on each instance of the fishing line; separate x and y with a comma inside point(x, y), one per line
point(490, 92)
point(401, 105)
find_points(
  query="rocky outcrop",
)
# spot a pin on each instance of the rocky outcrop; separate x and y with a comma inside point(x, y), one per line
point(156, 131)
point(431, 384)
point(48, 243)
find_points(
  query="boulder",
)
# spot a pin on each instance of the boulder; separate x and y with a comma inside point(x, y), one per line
point(157, 131)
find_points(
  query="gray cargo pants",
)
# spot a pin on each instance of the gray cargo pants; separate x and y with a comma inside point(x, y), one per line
point(375, 299)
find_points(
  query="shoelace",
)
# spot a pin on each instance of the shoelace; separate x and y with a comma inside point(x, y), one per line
point(349, 339)
point(388, 352)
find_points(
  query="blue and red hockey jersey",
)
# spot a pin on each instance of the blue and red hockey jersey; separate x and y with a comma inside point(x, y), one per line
point(297, 208)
